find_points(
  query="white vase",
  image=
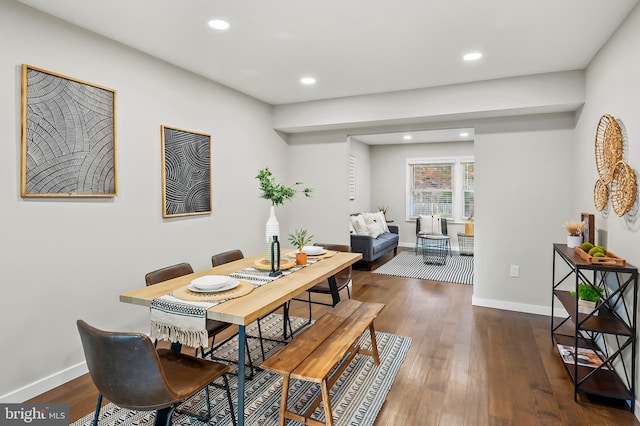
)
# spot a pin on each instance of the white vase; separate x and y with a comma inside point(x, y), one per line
point(272, 228)
point(573, 241)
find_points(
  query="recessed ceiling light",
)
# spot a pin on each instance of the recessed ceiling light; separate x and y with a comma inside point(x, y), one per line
point(218, 24)
point(407, 137)
point(464, 134)
point(473, 56)
point(308, 80)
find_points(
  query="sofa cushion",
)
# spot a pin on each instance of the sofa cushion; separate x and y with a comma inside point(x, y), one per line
point(384, 243)
point(359, 224)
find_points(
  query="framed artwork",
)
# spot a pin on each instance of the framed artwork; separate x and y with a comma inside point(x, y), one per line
point(588, 236)
point(352, 177)
point(68, 137)
point(186, 172)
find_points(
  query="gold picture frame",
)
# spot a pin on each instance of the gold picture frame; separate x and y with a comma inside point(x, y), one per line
point(186, 172)
point(68, 136)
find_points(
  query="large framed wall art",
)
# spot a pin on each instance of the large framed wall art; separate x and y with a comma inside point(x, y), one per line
point(186, 172)
point(68, 137)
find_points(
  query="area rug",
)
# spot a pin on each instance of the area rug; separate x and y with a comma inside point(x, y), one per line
point(356, 397)
point(457, 269)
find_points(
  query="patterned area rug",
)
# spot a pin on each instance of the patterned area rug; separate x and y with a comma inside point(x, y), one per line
point(356, 397)
point(457, 269)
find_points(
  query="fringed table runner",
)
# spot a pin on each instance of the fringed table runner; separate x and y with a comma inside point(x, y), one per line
point(181, 321)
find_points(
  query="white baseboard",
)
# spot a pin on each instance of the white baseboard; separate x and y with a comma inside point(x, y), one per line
point(517, 307)
point(43, 385)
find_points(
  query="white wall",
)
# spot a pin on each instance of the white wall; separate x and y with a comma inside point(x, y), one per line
point(65, 259)
point(612, 87)
point(523, 197)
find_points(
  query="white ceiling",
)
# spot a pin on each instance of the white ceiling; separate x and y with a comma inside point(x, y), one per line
point(352, 47)
point(424, 136)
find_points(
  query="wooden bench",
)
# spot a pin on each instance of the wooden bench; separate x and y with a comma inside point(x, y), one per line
point(313, 354)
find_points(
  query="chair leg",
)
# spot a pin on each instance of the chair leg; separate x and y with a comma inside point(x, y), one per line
point(251, 371)
point(98, 407)
point(309, 293)
point(260, 337)
point(228, 389)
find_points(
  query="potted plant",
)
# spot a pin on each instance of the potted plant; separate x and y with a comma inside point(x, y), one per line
point(299, 239)
point(575, 230)
point(277, 193)
point(588, 298)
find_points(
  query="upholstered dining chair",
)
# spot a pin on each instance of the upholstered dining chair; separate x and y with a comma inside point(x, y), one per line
point(236, 254)
point(127, 370)
point(343, 280)
point(213, 327)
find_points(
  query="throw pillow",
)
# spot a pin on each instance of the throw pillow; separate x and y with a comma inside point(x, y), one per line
point(380, 219)
point(359, 225)
point(375, 229)
point(430, 224)
point(352, 230)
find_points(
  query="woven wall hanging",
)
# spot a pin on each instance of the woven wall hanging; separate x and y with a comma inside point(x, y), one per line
point(623, 188)
point(608, 147)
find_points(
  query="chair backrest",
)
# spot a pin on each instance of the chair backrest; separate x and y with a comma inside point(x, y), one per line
point(125, 368)
point(168, 273)
point(344, 276)
point(226, 257)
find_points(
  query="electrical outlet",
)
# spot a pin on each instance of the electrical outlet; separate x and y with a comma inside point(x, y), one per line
point(515, 271)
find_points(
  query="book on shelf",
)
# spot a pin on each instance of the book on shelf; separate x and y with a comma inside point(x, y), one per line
point(586, 357)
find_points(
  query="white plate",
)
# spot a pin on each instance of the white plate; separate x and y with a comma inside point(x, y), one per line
point(313, 250)
point(210, 282)
point(232, 283)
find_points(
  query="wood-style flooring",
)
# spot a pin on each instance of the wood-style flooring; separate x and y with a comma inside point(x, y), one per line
point(466, 366)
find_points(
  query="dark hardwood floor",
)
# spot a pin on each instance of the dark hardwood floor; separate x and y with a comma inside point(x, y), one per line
point(466, 365)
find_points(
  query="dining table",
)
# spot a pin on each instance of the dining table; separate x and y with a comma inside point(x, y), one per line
point(262, 300)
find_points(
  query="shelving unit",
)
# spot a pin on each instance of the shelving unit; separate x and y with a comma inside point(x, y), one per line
point(610, 329)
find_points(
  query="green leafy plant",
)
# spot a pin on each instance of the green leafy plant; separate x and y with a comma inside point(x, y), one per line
point(589, 292)
point(300, 238)
point(275, 192)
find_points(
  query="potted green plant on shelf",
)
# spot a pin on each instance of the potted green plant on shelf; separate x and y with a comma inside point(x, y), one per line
point(588, 298)
point(299, 239)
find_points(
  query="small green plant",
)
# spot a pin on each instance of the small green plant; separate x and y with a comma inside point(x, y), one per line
point(300, 238)
point(589, 292)
point(383, 208)
point(275, 192)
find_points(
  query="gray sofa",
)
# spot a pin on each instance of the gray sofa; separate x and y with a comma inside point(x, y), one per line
point(374, 248)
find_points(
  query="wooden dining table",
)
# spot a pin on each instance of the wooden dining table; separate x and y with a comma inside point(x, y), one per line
point(243, 310)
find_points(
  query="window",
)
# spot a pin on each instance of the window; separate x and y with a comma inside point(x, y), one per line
point(440, 186)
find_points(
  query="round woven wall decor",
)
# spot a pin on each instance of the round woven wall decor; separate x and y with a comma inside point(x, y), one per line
point(600, 195)
point(623, 188)
point(608, 146)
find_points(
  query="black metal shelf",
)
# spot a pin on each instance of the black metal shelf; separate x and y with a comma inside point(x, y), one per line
point(612, 331)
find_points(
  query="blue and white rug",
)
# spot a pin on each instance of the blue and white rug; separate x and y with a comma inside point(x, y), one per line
point(457, 269)
point(356, 398)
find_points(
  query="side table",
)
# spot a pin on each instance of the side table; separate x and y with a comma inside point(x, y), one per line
point(465, 242)
point(435, 248)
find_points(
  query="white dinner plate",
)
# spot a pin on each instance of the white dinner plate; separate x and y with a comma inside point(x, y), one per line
point(210, 282)
point(231, 283)
point(313, 250)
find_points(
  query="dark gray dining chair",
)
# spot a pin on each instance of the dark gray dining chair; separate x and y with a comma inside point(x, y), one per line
point(343, 280)
point(127, 370)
